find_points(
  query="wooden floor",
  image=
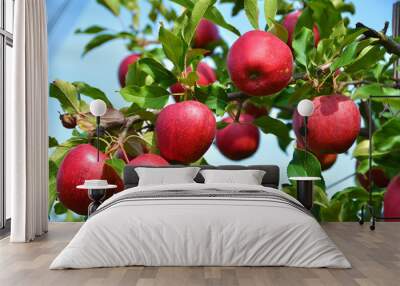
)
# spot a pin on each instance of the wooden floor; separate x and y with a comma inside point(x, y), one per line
point(375, 257)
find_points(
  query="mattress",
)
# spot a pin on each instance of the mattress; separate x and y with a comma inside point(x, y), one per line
point(201, 225)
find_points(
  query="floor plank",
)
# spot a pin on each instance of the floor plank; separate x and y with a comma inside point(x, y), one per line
point(375, 257)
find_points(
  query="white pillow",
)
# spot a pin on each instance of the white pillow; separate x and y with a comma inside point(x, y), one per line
point(246, 177)
point(166, 176)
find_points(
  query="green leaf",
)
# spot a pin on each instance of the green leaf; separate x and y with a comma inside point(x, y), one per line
point(134, 109)
point(345, 7)
point(66, 94)
point(59, 208)
point(350, 199)
point(363, 92)
point(320, 197)
point(386, 145)
point(52, 142)
point(362, 149)
point(289, 189)
point(352, 193)
point(91, 30)
point(58, 154)
point(198, 11)
point(157, 71)
point(201, 162)
point(222, 124)
point(148, 138)
point(363, 166)
point(351, 37)
point(195, 54)
point(211, 14)
point(131, 5)
point(117, 164)
point(270, 9)
point(214, 96)
point(305, 21)
point(146, 96)
point(190, 79)
point(185, 3)
point(305, 164)
point(62, 149)
point(269, 125)
point(390, 91)
point(216, 17)
point(302, 44)
point(251, 9)
point(368, 57)
point(92, 92)
point(104, 38)
point(279, 30)
point(135, 75)
point(325, 16)
point(331, 213)
point(97, 41)
point(111, 5)
point(387, 137)
point(174, 47)
point(346, 58)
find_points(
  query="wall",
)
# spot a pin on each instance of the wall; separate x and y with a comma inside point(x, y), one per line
point(99, 68)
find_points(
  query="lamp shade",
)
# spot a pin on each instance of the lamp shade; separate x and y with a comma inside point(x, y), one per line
point(98, 107)
point(305, 107)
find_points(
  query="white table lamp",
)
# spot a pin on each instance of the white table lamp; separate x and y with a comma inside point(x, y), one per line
point(305, 108)
point(98, 108)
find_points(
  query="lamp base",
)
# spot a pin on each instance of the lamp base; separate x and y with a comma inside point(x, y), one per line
point(305, 190)
point(97, 196)
point(305, 193)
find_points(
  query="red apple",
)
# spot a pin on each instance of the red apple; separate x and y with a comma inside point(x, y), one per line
point(290, 22)
point(333, 127)
point(254, 110)
point(81, 164)
point(378, 176)
point(124, 66)
point(238, 140)
point(391, 202)
point(206, 34)
point(326, 160)
point(206, 77)
point(184, 131)
point(148, 160)
point(259, 63)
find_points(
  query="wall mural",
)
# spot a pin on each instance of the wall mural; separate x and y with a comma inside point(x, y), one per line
point(226, 94)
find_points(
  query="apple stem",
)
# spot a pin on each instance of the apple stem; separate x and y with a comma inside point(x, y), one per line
point(237, 96)
point(239, 110)
point(121, 146)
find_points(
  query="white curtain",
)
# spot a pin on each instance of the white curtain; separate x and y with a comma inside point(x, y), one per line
point(26, 123)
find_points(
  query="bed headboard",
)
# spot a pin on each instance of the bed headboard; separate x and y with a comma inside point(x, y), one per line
point(271, 177)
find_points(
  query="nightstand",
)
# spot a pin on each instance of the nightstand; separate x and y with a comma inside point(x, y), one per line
point(97, 194)
point(305, 190)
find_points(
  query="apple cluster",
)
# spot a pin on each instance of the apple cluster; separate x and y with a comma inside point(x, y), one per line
point(260, 65)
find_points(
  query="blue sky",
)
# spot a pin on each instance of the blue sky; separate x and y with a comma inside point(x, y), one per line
point(99, 68)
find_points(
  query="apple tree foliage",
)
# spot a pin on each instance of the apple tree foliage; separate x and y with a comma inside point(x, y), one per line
point(354, 61)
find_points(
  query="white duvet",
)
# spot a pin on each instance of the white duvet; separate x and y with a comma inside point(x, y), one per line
point(203, 231)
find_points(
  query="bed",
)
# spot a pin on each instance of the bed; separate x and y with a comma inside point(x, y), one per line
point(201, 224)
